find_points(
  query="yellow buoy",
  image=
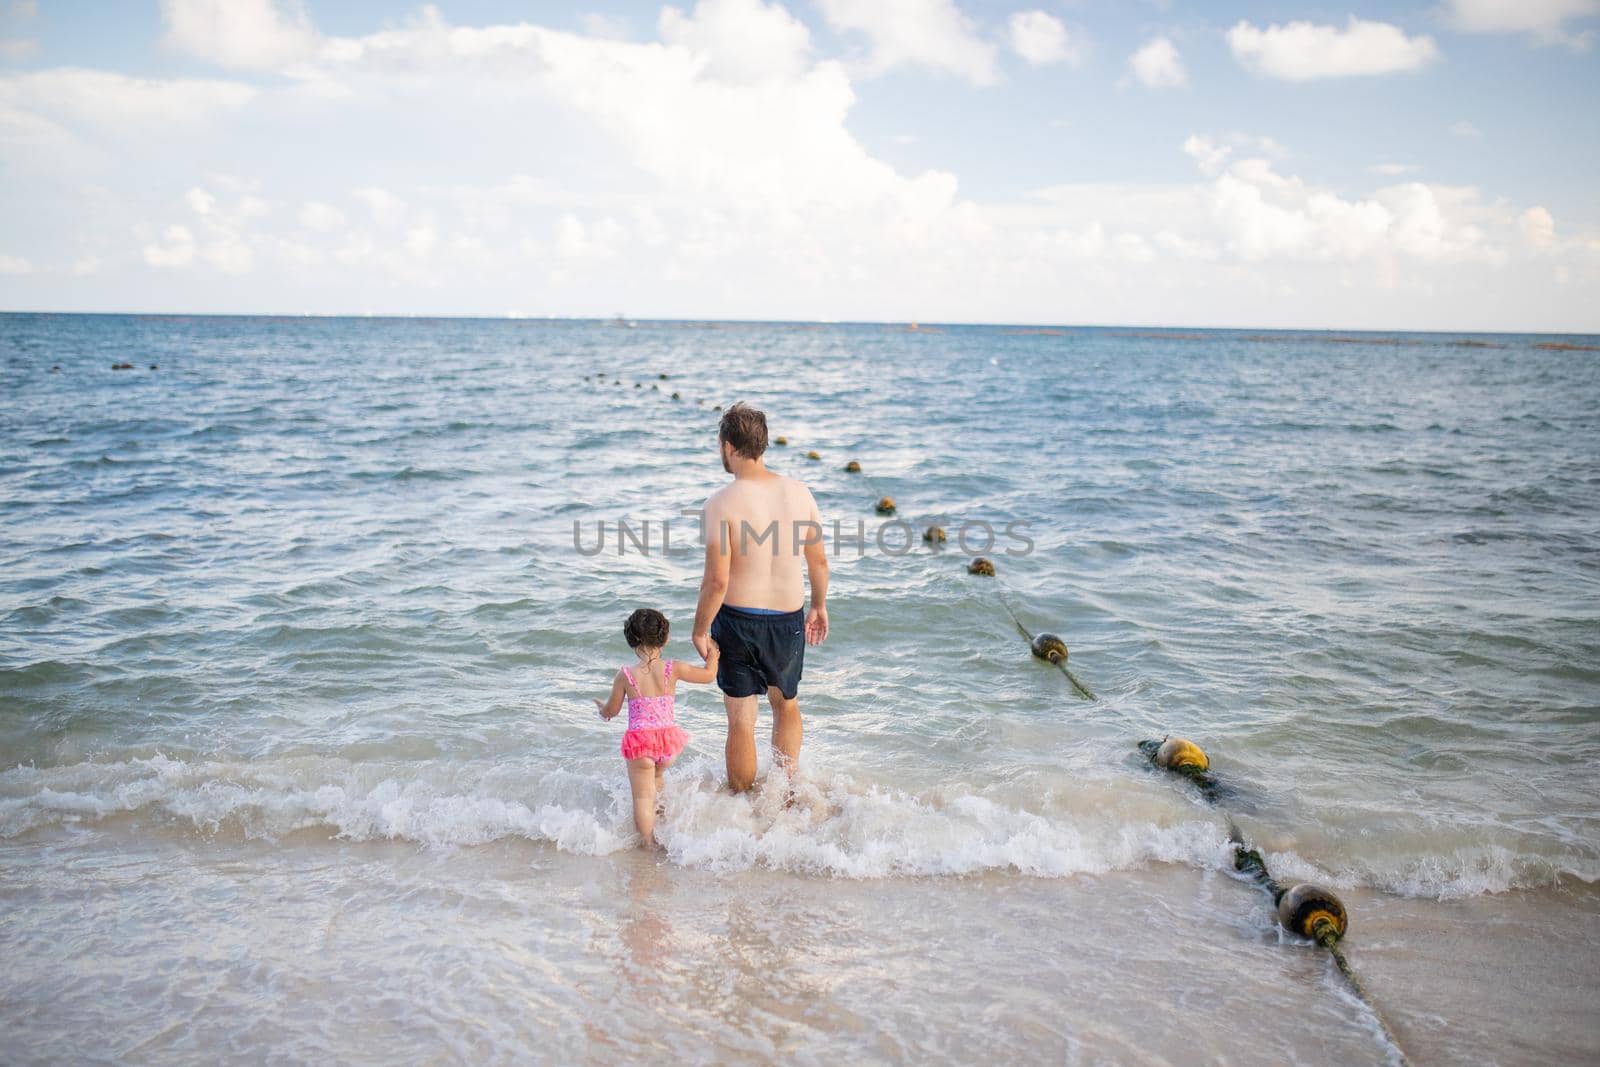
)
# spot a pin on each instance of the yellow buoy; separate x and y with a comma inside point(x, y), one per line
point(934, 535)
point(781, 441)
point(1050, 648)
point(1313, 912)
point(852, 467)
point(813, 455)
point(885, 505)
point(1181, 754)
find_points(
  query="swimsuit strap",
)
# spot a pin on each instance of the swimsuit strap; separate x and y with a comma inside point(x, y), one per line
point(666, 670)
point(626, 673)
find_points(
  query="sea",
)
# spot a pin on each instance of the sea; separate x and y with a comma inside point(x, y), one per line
point(301, 620)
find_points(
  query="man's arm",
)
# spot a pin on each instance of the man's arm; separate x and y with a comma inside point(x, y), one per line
point(714, 582)
point(817, 574)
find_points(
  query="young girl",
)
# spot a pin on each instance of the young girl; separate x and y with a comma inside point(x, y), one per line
point(654, 738)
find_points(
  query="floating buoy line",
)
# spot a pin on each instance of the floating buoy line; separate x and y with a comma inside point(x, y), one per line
point(1304, 909)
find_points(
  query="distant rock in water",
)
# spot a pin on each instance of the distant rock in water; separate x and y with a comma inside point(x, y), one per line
point(981, 566)
point(934, 535)
point(122, 366)
point(781, 441)
point(852, 467)
point(153, 366)
point(885, 505)
point(813, 455)
point(675, 396)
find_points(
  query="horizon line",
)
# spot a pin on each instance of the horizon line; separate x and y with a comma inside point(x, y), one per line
point(925, 324)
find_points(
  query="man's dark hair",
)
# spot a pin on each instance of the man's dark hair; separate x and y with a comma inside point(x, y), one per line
point(745, 429)
point(647, 627)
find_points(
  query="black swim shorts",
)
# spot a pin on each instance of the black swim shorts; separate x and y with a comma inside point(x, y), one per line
point(759, 650)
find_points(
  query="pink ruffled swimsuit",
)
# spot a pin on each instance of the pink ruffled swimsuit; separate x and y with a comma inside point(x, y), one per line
point(652, 732)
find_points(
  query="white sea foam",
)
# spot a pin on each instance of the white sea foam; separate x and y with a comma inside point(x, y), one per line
point(835, 825)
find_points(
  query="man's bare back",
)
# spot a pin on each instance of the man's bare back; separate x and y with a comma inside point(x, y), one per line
point(767, 517)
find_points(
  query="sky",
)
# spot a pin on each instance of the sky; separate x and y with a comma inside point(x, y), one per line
point(1395, 165)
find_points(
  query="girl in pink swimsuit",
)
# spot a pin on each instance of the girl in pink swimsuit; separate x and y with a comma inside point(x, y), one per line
point(654, 738)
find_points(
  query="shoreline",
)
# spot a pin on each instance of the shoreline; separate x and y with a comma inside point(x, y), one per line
point(761, 962)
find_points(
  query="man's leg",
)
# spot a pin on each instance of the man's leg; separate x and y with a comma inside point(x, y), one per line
point(786, 729)
point(741, 748)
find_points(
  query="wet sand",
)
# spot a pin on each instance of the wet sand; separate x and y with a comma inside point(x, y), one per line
point(177, 948)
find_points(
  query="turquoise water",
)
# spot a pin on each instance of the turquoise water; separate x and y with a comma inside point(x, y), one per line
point(311, 586)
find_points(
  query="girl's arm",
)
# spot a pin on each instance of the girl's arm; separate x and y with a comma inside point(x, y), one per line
point(613, 703)
point(688, 672)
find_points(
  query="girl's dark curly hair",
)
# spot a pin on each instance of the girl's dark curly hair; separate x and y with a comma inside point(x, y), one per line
point(647, 627)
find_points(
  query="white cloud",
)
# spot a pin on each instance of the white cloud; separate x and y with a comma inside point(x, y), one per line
point(932, 34)
point(740, 40)
point(1157, 65)
point(1207, 153)
point(226, 237)
point(201, 201)
point(175, 249)
point(241, 34)
point(420, 240)
point(118, 103)
point(1537, 226)
point(1041, 39)
point(1304, 51)
point(320, 217)
point(386, 208)
point(1211, 153)
point(612, 27)
point(17, 47)
point(15, 265)
point(1393, 170)
point(1545, 20)
point(1267, 216)
point(1464, 128)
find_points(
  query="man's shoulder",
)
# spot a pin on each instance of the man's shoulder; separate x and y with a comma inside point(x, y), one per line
point(796, 488)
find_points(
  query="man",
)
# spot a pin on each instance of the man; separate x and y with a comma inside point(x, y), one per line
point(757, 531)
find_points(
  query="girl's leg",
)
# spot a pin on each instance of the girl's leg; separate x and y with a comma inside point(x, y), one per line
point(660, 768)
point(642, 779)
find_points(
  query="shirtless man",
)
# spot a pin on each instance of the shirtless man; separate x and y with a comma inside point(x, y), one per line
point(757, 531)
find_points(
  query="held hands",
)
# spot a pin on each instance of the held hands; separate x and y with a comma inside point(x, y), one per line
point(816, 626)
point(703, 644)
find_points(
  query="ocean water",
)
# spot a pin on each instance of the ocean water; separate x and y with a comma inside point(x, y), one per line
point(298, 633)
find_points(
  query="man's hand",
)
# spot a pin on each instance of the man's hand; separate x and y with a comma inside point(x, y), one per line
point(816, 626)
point(702, 645)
